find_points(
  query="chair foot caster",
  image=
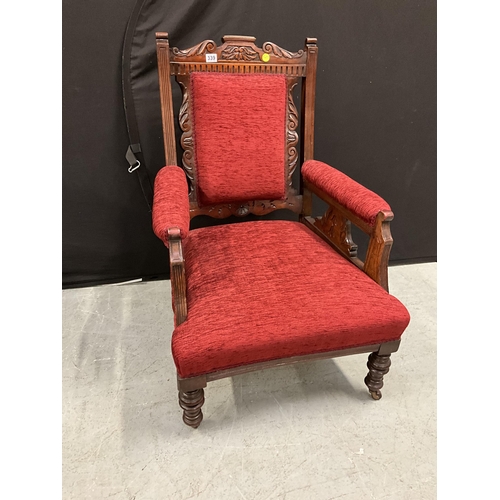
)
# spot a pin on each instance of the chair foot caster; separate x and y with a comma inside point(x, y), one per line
point(378, 366)
point(191, 402)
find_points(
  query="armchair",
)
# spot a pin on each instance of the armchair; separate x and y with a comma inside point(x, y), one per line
point(259, 294)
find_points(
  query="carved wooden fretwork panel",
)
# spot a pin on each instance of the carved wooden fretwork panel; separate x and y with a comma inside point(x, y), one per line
point(338, 229)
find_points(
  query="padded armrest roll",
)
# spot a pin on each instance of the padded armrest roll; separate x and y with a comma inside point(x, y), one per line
point(170, 202)
point(346, 191)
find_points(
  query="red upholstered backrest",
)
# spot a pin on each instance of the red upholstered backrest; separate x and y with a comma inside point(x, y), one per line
point(239, 136)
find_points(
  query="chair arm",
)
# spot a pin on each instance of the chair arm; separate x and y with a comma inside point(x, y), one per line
point(359, 200)
point(349, 202)
point(170, 203)
point(171, 225)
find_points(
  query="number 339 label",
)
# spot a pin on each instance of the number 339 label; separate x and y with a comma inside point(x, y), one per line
point(210, 58)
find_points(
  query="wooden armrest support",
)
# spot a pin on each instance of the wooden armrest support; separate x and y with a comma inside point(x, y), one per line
point(379, 249)
point(177, 275)
point(335, 228)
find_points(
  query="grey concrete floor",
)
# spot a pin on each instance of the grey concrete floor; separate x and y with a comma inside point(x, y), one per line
point(308, 431)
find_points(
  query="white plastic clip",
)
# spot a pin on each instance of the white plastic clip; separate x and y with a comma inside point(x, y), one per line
point(134, 167)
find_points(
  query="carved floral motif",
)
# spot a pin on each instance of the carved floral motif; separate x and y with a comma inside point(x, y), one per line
point(239, 53)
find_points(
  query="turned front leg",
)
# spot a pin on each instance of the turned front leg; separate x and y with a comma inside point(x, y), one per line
point(378, 366)
point(191, 402)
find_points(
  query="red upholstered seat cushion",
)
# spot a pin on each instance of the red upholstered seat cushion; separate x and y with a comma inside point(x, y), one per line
point(266, 290)
point(239, 136)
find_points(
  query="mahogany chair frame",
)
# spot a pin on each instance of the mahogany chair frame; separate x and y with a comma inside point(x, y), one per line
point(239, 54)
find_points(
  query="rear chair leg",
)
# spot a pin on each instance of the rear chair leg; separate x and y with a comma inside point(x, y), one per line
point(191, 402)
point(378, 366)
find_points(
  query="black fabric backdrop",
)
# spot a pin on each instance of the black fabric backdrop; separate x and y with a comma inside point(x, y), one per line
point(375, 115)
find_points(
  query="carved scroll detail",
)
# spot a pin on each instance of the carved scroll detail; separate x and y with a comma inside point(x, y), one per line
point(198, 50)
point(187, 137)
point(270, 47)
point(239, 53)
point(338, 229)
point(292, 138)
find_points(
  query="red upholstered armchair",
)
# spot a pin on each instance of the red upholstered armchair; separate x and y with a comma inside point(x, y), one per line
point(259, 294)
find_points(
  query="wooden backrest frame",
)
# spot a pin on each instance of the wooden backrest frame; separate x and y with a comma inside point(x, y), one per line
point(239, 54)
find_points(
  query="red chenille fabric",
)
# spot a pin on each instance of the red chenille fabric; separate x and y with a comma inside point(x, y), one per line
point(170, 202)
point(265, 290)
point(349, 193)
point(239, 136)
